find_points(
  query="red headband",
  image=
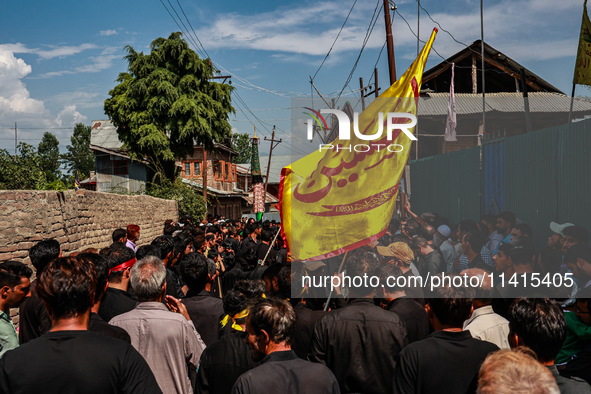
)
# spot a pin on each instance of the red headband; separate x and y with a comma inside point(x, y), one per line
point(123, 266)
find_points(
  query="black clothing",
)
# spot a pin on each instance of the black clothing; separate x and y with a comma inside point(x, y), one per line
point(477, 262)
point(262, 252)
point(98, 325)
point(114, 303)
point(444, 362)
point(580, 364)
point(64, 362)
point(231, 277)
point(306, 319)
point(431, 264)
point(281, 256)
point(223, 362)
point(575, 378)
point(173, 284)
point(284, 372)
point(413, 316)
point(360, 343)
point(33, 318)
point(414, 288)
point(258, 272)
point(248, 243)
point(205, 312)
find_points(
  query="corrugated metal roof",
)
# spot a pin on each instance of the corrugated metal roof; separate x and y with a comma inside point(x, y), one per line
point(467, 103)
point(104, 135)
point(219, 193)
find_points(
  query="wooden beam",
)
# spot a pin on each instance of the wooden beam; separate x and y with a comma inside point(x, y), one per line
point(474, 75)
point(508, 71)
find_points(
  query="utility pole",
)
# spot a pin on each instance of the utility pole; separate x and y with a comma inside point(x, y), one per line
point(375, 79)
point(362, 93)
point(364, 90)
point(15, 141)
point(273, 146)
point(205, 178)
point(418, 25)
point(525, 100)
point(390, 41)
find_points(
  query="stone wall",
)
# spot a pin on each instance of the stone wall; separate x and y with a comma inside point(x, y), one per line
point(77, 219)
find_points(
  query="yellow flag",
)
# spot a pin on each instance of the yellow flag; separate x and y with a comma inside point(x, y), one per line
point(583, 65)
point(340, 198)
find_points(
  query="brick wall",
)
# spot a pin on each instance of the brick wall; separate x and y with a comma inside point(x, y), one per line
point(78, 220)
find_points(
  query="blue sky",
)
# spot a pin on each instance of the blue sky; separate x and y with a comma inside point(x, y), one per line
point(58, 60)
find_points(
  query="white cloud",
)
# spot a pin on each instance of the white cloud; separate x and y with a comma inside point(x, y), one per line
point(62, 51)
point(82, 99)
point(98, 63)
point(14, 96)
point(69, 116)
point(31, 115)
point(292, 30)
point(108, 32)
point(311, 30)
point(52, 52)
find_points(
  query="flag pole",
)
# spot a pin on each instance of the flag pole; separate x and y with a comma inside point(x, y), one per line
point(572, 99)
point(331, 290)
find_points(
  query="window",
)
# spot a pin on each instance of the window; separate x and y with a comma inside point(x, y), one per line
point(218, 170)
point(120, 167)
point(197, 168)
point(231, 172)
point(187, 169)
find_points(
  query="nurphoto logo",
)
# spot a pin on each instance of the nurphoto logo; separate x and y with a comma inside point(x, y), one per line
point(393, 121)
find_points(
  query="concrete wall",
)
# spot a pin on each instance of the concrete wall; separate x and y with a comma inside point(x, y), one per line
point(78, 220)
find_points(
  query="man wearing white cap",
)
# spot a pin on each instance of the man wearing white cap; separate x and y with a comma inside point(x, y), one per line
point(556, 240)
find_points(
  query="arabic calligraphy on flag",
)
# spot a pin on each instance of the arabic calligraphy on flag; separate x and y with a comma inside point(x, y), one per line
point(337, 200)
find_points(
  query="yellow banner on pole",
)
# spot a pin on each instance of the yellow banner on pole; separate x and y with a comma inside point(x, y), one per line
point(583, 65)
point(342, 196)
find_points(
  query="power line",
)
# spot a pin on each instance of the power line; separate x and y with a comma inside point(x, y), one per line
point(335, 40)
point(192, 29)
point(438, 54)
point(372, 24)
point(175, 21)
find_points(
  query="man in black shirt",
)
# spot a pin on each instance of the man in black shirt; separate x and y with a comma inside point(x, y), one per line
point(265, 246)
point(360, 342)
point(96, 323)
point(225, 360)
point(270, 327)
point(539, 324)
point(472, 243)
point(395, 300)
point(205, 311)
point(70, 359)
point(430, 261)
point(117, 300)
point(33, 319)
point(449, 359)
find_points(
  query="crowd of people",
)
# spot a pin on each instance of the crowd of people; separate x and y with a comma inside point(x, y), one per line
point(219, 307)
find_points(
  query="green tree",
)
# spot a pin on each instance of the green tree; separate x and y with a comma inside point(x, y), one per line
point(25, 172)
point(49, 155)
point(166, 103)
point(190, 202)
point(79, 156)
point(241, 144)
